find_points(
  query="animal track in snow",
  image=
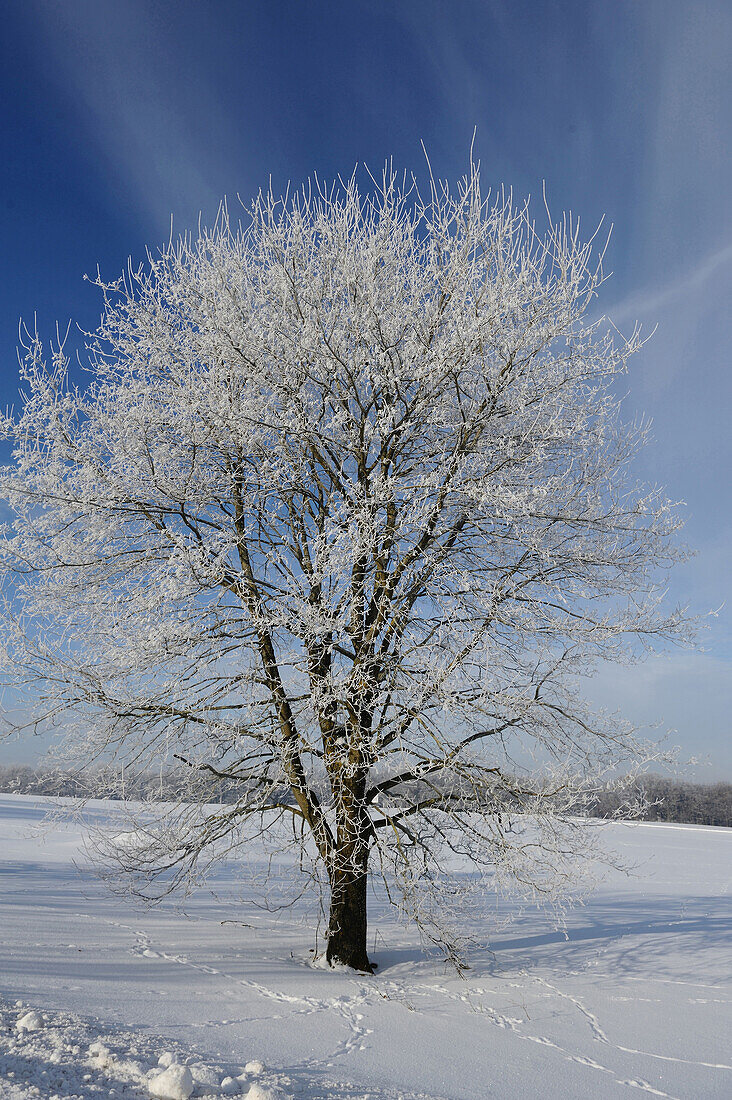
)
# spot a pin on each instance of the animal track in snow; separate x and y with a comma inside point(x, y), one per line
point(639, 1083)
point(594, 1023)
point(473, 999)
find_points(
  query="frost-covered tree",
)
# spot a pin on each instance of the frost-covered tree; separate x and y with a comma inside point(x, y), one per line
point(342, 515)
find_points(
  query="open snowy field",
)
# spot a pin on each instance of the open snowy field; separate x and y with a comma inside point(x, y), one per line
point(95, 990)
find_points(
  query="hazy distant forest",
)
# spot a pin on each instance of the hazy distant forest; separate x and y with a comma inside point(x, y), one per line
point(662, 798)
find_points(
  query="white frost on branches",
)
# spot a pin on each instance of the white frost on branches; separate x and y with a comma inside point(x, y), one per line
point(343, 514)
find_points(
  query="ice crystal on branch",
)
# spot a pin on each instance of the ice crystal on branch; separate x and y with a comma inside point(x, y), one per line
point(343, 515)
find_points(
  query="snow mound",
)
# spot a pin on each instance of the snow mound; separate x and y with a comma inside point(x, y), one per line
point(174, 1083)
point(264, 1092)
point(254, 1068)
point(31, 1021)
point(100, 1055)
point(205, 1077)
point(55, 1055)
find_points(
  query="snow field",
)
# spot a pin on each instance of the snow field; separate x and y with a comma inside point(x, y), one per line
point(634, 998)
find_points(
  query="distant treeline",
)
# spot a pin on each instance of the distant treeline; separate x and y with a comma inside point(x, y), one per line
point(661, 799)
point(163, 786)
point(669, 800)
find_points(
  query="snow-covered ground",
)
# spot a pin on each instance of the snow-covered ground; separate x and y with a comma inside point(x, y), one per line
point(102, 999)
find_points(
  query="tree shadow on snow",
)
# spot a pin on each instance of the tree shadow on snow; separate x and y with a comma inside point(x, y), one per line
point(657, 936)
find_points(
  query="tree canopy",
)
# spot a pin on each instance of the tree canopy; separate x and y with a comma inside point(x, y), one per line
point(343, 514)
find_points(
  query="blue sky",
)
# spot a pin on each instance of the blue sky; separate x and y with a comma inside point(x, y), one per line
point(117, 114)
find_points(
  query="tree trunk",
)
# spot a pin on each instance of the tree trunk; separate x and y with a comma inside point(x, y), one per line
point(348, 870)
point(347, 921)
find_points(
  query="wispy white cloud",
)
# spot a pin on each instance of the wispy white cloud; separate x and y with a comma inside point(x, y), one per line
point(150, 116)
point(646, 304)
point(683, 203)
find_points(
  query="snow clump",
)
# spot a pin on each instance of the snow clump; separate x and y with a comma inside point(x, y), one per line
point(205, 1078)
point(100, 1055)
point(167, 1058)
point(262, 1092)
point(31, 1021)
point(174, 1083)
point(59, 1054)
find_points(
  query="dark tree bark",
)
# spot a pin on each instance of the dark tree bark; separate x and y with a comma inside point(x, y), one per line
point(347, 922)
